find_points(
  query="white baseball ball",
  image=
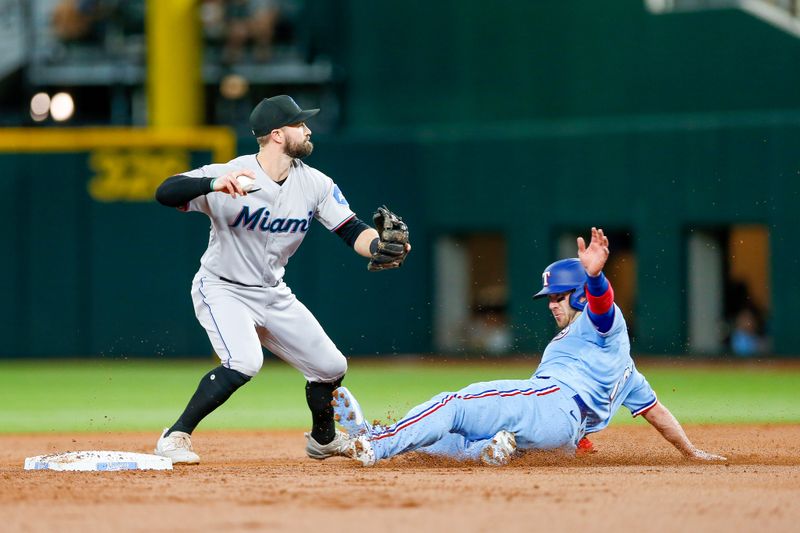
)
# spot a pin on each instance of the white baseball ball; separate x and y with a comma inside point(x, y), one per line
point(246, 183)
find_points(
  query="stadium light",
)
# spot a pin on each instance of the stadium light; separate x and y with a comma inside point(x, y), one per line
point(62, 107)
point(40, 107)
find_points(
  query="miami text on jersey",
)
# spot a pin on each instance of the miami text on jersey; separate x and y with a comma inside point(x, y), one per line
point(277, 225)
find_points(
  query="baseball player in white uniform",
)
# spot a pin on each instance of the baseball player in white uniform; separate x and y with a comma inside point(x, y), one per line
point(261, 207)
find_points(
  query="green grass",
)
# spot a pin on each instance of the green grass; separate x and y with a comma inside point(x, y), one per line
point(120, 395)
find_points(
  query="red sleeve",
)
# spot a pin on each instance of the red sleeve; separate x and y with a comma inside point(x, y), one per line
point(600, 304)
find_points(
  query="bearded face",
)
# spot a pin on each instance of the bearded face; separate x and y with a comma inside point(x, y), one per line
point(298, 149)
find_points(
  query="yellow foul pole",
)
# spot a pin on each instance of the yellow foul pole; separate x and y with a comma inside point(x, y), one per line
point(174, 79)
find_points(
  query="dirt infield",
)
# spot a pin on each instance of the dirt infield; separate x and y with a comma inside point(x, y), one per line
point(261, 481)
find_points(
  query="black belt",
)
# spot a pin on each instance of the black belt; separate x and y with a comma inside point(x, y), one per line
point(245, 285)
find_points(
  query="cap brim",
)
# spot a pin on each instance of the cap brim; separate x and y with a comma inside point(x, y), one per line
point(302, 117)
point(553, 289)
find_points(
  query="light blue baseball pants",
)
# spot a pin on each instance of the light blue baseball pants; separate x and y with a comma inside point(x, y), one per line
point(541, 413)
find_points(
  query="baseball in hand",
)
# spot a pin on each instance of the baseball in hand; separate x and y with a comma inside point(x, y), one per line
point(246, 182)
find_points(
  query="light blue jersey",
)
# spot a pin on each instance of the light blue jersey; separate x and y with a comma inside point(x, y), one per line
point(599, 368)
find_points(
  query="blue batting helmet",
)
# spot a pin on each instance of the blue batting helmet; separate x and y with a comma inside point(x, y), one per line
point(562, 276)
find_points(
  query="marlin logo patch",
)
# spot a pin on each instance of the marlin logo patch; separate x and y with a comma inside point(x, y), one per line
point(338, 196)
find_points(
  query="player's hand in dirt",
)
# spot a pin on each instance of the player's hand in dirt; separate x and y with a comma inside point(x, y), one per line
point(699, 455)
point(595, 255)
point(229, 185)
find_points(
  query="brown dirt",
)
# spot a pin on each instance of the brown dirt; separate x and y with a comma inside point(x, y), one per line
point(259, 481)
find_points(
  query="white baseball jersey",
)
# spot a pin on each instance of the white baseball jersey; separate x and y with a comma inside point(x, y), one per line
point(253, 237)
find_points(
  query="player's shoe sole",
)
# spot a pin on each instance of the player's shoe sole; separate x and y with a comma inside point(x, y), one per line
point(499, 451)
point(347, 412)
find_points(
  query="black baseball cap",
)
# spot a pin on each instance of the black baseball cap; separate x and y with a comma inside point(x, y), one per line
point(277, 112)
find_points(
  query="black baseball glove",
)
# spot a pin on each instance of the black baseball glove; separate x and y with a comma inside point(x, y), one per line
point(393, 232)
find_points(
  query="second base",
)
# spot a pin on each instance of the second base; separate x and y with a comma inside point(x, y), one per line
point(94, 461)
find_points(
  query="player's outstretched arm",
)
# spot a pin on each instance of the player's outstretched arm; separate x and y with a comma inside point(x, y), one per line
point(599, 293)
point(669, 427)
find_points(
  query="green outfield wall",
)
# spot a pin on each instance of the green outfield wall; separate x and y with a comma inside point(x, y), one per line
point(459, 62)
point(91, 269)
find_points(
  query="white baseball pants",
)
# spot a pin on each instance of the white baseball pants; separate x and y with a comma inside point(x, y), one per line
point(240, 320)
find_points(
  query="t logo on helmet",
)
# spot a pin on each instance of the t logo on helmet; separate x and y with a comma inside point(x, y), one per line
point(545, 278)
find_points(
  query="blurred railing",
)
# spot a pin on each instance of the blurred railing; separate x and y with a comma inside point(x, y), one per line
point(784, 14)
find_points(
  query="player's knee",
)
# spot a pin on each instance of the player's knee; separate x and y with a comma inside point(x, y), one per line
point(248, 368)
point(331, 369)
point(446, 397)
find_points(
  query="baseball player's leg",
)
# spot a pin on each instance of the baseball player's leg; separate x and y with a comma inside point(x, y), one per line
point(347, 411)
point(292, 333)
point(456, 446)
point(477, 413)
point(231, 330)
point(431, 426)
point(539, 414)
point(423, 426)
point(229, 315)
